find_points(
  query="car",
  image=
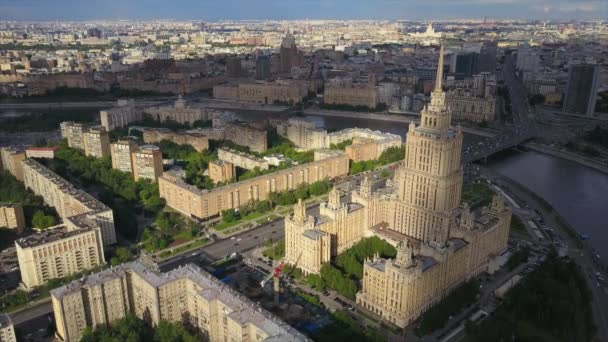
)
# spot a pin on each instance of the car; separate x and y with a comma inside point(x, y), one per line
point(232, 238)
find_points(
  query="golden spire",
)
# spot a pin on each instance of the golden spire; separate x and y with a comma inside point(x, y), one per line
point(439, 80)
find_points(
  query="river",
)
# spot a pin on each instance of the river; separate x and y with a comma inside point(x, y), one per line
point(578, 193)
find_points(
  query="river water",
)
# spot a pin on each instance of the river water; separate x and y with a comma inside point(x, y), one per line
point(578, 193)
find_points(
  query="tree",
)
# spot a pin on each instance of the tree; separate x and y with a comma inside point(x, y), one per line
point(121, 255)
point(316, 282)
point(230, 215)
point(263, 206)
point(42, 221)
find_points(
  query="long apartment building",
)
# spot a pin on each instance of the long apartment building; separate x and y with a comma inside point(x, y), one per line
point(465, 106)
point(242, 160)
point(11, 216)
point(202, 204)
point(120, 116)
point(11, 158)
point(67, 199)
point(60, 251)
point(218, 311)
point(179, 112)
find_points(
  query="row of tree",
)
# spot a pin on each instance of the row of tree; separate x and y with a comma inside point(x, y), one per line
point(390, 155)
point(133, 329)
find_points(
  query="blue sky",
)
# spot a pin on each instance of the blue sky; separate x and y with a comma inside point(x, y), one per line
point(301, 9)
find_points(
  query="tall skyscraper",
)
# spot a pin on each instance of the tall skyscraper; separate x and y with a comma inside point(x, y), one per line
point(487, 57)
point(262, 68)
point(289, 54)
point(581, 92)
point(233, 67)
point(467, 64)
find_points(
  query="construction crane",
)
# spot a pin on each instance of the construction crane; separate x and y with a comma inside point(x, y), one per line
point(275, 274)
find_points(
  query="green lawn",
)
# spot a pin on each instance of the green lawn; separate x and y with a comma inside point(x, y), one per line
point(477, 194)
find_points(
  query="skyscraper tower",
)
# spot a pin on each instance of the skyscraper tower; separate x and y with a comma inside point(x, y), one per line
point(429, 181)
point(581, 92)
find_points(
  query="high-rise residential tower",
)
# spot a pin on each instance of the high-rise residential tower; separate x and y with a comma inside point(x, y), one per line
point(581, 92)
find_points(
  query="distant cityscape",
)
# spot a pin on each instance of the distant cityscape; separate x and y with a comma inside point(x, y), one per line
point(322, 180)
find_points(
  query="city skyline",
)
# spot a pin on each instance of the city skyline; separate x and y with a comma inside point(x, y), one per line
point(309, 9)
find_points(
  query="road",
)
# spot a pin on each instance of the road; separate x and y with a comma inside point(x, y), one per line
point(154, 101)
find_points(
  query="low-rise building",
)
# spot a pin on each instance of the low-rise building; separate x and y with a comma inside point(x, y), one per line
point(41, 152)
point(180, 112)
point(365, 96)
point(241, 159)
point(7, 331)
point(147, 162)
point(11, 216)
point(96, 142)
point(11, 158)
point(121, 155)
point(221, 313)
point(221, 171)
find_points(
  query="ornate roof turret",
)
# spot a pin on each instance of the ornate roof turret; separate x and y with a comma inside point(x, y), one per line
point(404, 257)
point(299, 211)
point(334, 198)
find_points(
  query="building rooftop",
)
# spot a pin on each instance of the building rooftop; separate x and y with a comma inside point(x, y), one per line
point(5, 320)
point(50, 235)
point(52, 148)
point(314, 234)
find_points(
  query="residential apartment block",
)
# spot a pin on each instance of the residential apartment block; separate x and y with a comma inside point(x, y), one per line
point(242, 160)
point(41, 152)
point(7, 331)
point(59, 252)
point(243, 134)
point(221, 171)
point(74, 133)
point(96, 142)
point(11, 158)
point(120, 116)
point(202, 204)
point(199, 141)
point(147, 162)
point(11, 216)
point(121, 155)
point(68, 200)
point(217, 310)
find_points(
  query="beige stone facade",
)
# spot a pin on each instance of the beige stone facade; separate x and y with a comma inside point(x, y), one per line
point(270, 92)
point(41, 152)
point(440, 242)
point(465, 106)
point(74, 133)
point(120, 116)
point(188, 292)
point(11, 158)
point(303, 133)
point(96, 142)
point(311, 242)
point(121, 155)
point(203, 204)
point(60, 252)
point(362, 149)
point(147, 163)
point(242, 134)
point(11, 216)
point(179, 112)
point(242, 160)
point(7, 330)
point(69, 201)
point(199, 141)
point(221, 171)
point(354, 96)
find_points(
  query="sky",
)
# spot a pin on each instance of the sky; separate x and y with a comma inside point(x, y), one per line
point(212, 10)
